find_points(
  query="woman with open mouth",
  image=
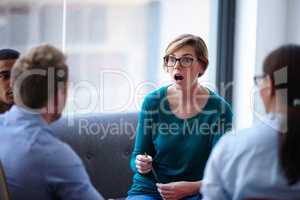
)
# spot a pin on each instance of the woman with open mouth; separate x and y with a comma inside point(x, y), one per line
point(178, 126)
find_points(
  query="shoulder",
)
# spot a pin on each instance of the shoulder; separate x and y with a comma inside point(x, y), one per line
point(256, 139)
point(154, 98)
point(236, 151)
point(56, 153)
point(226, 152)
point(218, 102)
point(218, 108)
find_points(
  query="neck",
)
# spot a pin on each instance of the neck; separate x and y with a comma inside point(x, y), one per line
point(187, 94)
point(276, 106)
point(49, 118)
point(50, 115)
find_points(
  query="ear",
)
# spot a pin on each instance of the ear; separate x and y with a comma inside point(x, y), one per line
point(269, 87)
point(202, 69)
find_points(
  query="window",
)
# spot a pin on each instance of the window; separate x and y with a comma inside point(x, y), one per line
point(114, 48)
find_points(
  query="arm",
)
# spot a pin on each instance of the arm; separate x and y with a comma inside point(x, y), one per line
point(143, 140)
point(224, 123)
point(66, 176)
point(213, 187)
point(179, 190)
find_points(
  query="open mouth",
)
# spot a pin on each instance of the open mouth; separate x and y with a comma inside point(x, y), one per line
point(178, 77)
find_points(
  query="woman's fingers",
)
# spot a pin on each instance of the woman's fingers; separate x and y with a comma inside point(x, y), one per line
point(142, 170)
point(143, 163)
point(144, 158)
point(168, 191)
point(166, 194)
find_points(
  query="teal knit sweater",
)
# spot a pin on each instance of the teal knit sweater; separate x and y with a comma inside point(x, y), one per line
point(179, 147)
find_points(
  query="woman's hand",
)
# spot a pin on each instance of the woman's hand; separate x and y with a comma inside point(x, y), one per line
point(143, 163)
point(178, 190)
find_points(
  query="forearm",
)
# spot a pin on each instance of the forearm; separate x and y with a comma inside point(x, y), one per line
point(179, 190)
point(143, 141)
point(194, 187)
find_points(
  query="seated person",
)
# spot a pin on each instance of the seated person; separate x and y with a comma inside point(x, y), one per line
point(178, 127)
point(38, 165)
point(263, 162)
point(8, 58)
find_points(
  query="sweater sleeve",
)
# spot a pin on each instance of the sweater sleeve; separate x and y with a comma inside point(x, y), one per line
point(143, 140)
point(224, 123)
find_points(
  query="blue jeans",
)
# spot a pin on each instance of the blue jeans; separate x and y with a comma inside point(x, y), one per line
point(158, 197)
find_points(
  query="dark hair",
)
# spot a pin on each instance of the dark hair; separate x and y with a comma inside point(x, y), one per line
point(8, 54)
point(283, 67)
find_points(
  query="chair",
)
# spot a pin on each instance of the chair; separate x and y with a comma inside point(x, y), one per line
point(4, 194)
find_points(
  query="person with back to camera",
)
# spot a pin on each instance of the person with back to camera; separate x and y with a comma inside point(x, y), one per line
point(178, 127)
point(36, 163)
point(262, 162)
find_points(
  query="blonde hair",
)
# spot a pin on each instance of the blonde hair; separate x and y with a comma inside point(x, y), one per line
point(31, 74)
point(191, 40)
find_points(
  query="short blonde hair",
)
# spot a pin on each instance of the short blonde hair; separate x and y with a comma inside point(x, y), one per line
point(191, 40)
point(31, 74)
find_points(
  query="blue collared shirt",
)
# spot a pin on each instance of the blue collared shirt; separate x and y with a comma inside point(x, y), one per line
point(38, 165)
point(246, 165)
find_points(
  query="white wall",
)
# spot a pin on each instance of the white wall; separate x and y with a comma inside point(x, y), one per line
point(271, 33)
point(293, 22)
point(271, 27)
point(261, 26)
point(189, 16)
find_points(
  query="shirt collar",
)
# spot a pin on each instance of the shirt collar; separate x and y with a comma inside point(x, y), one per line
point(276, 121)
point(18, 114)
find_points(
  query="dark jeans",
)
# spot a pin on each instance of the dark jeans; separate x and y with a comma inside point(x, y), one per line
point(158, 197)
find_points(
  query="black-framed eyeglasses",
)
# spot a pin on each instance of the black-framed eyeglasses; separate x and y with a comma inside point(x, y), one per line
point(258, 78)
point(185, 61)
